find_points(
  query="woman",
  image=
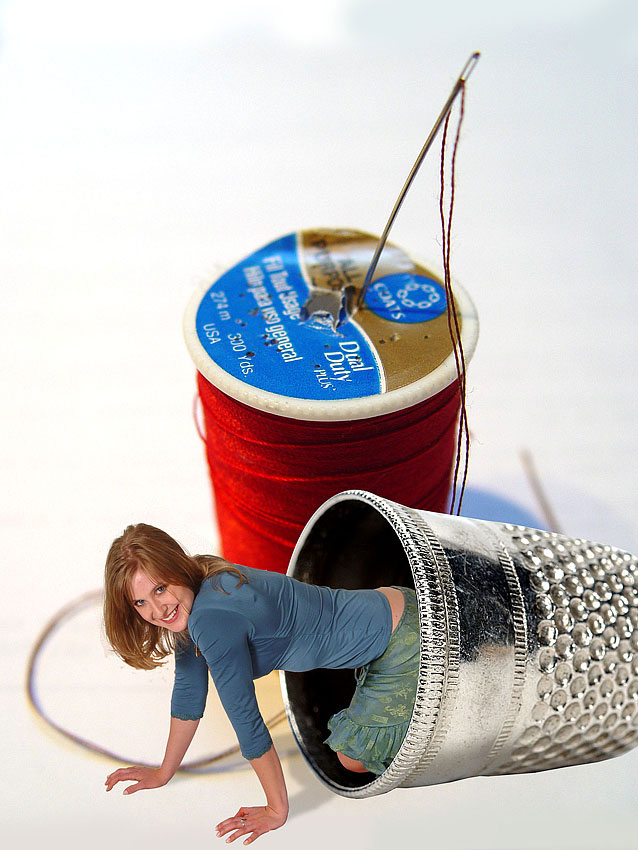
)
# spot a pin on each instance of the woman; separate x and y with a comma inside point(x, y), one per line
point(239, 624)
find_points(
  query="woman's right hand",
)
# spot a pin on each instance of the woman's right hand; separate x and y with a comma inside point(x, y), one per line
point(144, 777)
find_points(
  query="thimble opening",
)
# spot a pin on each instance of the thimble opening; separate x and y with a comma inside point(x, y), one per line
point(350, 545)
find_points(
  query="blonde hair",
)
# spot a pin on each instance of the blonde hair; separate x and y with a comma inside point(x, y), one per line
point(137, 642)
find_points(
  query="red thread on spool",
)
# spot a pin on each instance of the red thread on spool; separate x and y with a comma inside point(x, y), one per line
point(270, 473)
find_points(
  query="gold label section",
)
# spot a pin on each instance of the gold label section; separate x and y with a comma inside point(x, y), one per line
point(338, 260)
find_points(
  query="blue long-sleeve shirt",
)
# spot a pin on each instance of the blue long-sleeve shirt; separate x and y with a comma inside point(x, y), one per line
point(271, 622)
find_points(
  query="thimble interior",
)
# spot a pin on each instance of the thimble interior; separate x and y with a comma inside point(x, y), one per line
point(351, 545)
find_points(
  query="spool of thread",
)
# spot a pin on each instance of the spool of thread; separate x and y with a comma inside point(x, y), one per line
point(304, 395)
point(528, 643)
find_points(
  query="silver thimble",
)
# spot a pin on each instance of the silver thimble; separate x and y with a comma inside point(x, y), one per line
point(528, 643)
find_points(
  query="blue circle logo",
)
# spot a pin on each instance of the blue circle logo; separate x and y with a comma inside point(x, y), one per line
point(406, 298)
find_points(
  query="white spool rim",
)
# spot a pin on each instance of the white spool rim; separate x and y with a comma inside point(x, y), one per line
point(366, 407)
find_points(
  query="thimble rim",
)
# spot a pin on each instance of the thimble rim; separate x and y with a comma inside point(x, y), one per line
point(425, 723)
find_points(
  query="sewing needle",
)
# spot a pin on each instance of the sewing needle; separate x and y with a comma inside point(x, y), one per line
point(463, 77)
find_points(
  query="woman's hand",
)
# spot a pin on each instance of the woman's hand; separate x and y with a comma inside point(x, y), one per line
point(144, 777)
point(253, 822)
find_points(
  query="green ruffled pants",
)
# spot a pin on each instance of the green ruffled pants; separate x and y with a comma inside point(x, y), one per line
point(373, 726)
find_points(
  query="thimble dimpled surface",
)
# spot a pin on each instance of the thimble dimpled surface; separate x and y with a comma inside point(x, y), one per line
point(587, 693)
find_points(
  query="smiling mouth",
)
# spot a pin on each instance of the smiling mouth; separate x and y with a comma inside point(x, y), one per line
point(171, 616)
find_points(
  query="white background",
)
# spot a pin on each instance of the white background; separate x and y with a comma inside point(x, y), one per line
point(146, 144)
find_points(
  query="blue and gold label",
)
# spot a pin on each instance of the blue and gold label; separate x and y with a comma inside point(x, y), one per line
point(285, 318)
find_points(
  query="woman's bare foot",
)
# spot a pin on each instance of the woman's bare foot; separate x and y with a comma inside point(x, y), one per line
point(351, 764)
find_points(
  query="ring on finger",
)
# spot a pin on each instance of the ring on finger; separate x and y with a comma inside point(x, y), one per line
point(243, 821)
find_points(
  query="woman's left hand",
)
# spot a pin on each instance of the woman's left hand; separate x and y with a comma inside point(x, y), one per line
point(252, 821)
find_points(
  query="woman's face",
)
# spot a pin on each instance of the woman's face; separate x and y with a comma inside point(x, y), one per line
point(163, 605)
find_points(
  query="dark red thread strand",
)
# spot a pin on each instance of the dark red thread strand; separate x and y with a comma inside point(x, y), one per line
point(270, 473)
point(463, 438)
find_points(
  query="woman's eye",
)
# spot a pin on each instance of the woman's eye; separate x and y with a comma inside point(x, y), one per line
point(138, 603)
point(160, 589)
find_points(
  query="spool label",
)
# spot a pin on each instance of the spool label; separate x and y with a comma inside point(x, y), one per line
point(406, 298)
point(282, 319)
